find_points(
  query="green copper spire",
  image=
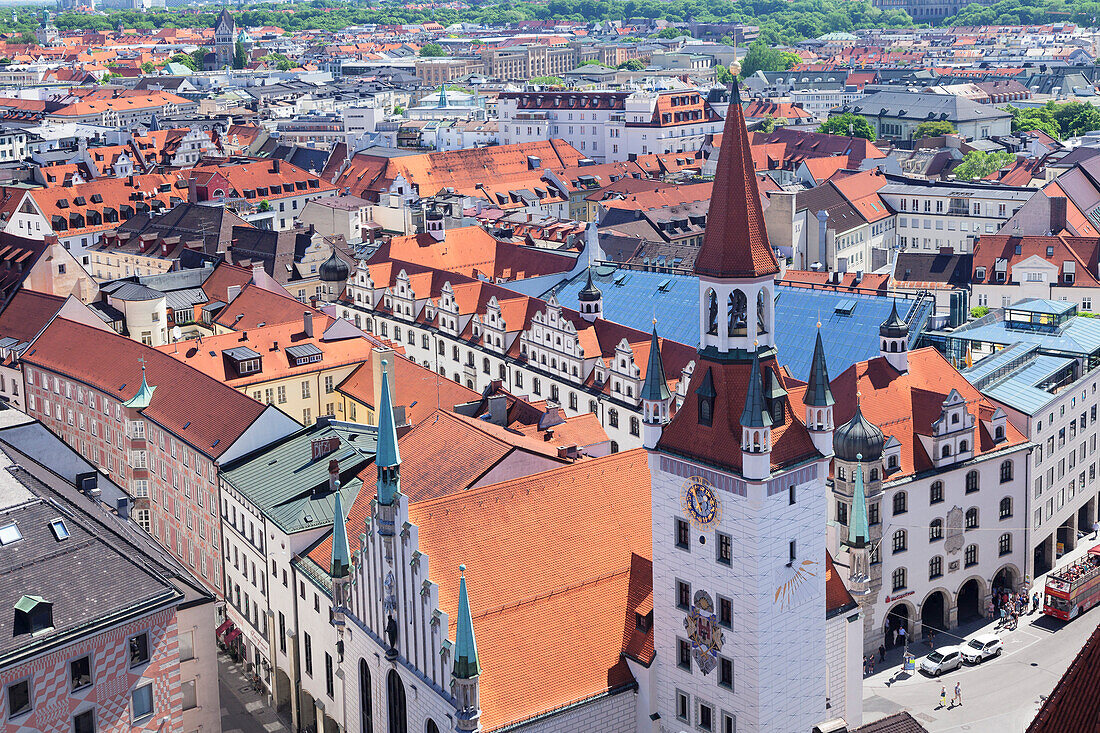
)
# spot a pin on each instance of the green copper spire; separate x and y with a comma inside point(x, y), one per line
point(341, 552)
point(655, 387)
point(818, 393)
point(144, 394)
point(858, 531)
point(755, 414)
point(387, 458)
point(466, 661)
point(443, 96)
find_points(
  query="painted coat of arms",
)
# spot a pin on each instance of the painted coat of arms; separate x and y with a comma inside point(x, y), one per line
point(704, 632)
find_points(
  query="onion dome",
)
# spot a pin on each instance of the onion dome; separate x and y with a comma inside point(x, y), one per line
point(590, 292)
point(858, 439)
point(894, 327)
point(333, 270)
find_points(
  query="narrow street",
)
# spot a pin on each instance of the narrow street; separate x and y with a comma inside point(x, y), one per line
point(243, 709)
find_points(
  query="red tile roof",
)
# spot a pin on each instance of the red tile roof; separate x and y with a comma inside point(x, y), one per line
point(196, 408)
point(418, 389)
point(906, 405)
point(719, 443)
point(1082, 251)
point(736, 241)
point(27, 313)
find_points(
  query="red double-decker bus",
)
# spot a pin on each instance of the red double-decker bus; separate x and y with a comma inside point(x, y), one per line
point(1074, 589)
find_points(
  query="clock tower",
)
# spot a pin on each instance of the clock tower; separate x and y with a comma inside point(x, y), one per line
point(739, 499)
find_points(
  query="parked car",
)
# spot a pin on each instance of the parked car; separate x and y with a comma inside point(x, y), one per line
point(942, 660)
point(981, 648)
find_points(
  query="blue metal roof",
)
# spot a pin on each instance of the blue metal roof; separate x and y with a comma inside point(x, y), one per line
point(849, 322)
point(1053, 307)
point(1019, 391)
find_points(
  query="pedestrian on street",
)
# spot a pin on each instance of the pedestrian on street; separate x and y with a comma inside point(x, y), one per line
point(931, 639)
point(1095, 529)
point(943, 696)
point(901, 637)
point(881, 653)
point(1035, 601)
point(958, 694)
point(871, 661)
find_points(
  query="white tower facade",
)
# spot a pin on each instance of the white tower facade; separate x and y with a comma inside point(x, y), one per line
point(739, 500)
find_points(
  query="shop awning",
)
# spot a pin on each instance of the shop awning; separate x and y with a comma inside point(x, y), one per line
point(1095, 550)
point(226, 625)
point(232, 636)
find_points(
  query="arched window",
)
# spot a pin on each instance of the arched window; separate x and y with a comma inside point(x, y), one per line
point(899, 579)
point(999, 433)
point(891, 463)
point(1006, 471)
point(946, 451)
point(900, 542)
point(1004, 544)
point(972, 518)
point(737, 307)
point(762, 311)
point(840, 472)
point(712, 312)
point(963, 446)
point(874, 474)
point(970, 557)
point(955, 419)
point(431, 727)
point(1006, 507)
point(971, 482)
point(935, 530)
point(935, 492)
point(900, 503)
point(395, 704)
point(366, 707)
point(935, 567)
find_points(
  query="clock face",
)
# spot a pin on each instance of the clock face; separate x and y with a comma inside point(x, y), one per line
point(700, 502)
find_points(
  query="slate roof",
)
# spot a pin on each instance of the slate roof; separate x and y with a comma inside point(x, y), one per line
point(920, 107)
point(901, 722)
point(100, 580)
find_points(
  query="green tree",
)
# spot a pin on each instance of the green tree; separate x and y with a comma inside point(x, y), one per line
point(632, 65)
point(198, 57)
point(240, 58)
point(979, 164)
point(762, 57)
point(768, 125)
point(184, 59)
point(548, 81)
point(593, 62)
point(933, 128)
point(1075, 118)
point(281, 62)
point(848, 124)
point(148, 68)
point(671, 32)
point(978, 311)
point(722, 75)
point(24, 39)
point(1035, 118)
point(432, 50)
point(265, 205)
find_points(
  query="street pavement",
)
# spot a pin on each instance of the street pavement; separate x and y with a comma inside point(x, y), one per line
point(1001, 694)
point(243, 709)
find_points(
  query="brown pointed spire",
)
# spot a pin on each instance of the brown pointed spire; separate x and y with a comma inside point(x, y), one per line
point(735, 243)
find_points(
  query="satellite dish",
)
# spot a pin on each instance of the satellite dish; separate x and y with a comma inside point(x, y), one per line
point(177, 333)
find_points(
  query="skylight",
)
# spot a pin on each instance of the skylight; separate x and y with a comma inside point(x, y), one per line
point(10, 534)
point(60, 530)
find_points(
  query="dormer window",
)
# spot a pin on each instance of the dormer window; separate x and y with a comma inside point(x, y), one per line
point(706, 396)
point(303, 354)
point(33, 615)
point(245, 360)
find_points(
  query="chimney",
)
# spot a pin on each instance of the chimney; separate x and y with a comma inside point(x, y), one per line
point(257, 269)
point(232, 292)
point(498, 410)
point(275, 165)
point(122, 506)
point(1057, 214)
point(333, 475)
point(307, 324)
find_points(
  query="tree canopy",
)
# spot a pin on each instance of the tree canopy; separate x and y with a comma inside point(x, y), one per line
point(1059, 120)
point(184, 59)
point(979, 164)
point(781, 22)
point(848, 124)
point(432, 50)
point(934, 128)
point(632, 65)
point(549, 81)
point(762, 57)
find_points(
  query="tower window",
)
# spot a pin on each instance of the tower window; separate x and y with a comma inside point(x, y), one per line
point(706, 411)
point(682, 534)
point(725, 549)
point(683, 659)
point(792, 550)
point(683, 594)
